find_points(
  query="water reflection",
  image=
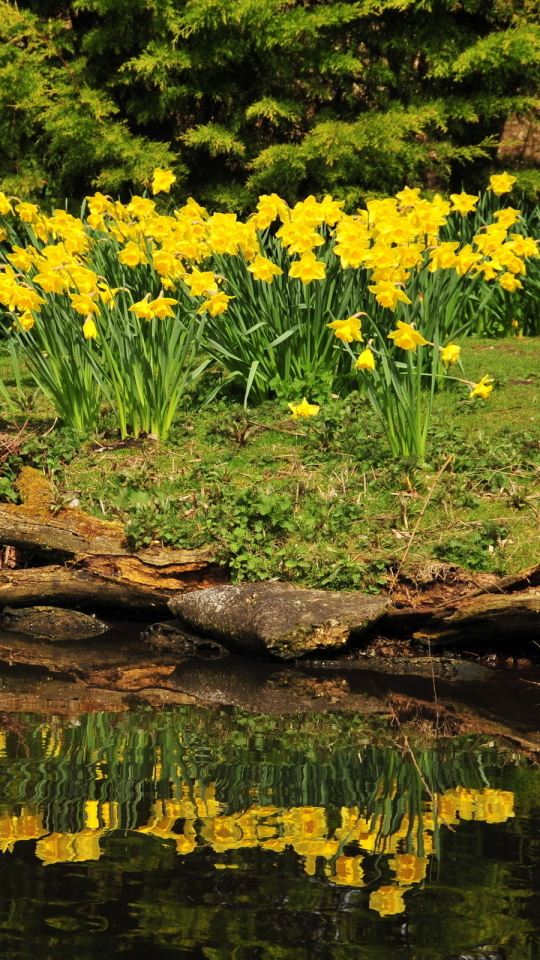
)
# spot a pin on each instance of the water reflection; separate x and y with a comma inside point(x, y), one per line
point(192, 821)
point(281, 806)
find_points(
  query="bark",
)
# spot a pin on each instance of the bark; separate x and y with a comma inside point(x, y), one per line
point(503, 617)
point(91, 561)
point(77, 587)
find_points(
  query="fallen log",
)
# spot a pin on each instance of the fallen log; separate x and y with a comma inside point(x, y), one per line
point(78, 587)
point(477, 617)
point(91, 560)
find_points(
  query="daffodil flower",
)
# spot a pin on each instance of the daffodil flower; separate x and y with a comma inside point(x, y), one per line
point(407, 337)
point(303, 409)
point(216, 304)
point(26, 320)
point(366, 360)
point(388, 294)
point(482, 389)
point(142, 309)
point(347, 330)
point(509, 282)
point(501, 183)
point(463, 203)
point(387, 900)
point(161, 307)
point(89, 329)
point(450, 353)
point(264, 269)
point(308, 268)
point(162, 180)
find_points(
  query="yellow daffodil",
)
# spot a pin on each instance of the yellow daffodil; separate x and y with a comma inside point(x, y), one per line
point(165, 263)
point(507, 217)
point(27, 212)
point(524, 246)
point(96, 221)
point(51, 282)
point(352, 251)
point(331, 210)
point(26, 320)
point(22, 257)
point(450, 353)
point(408, 197)
point(510, 282)
point(264, 269)
point(463, 203)
point(501, 183)
point(348, 871)
point(142, 309)
point(84, 279)
point(303, 409)
point(89, 329)
point(347, 330)
point(216, 304)
point(406, 336)
point(100, 203)
point(269, 208)
point(132, 255)
point(26, 299)
point(141, 207)
point(466, 259)
point(5, 205)
point(107, 294)
point(482, 389)
point(200, 281)
point(308, 268)
point(366, 360)
point(408, 868)
point(299, 237)
point(443, 257)
point(162, 180)
point(161, 307)
point(388, 294)
point(83, 303)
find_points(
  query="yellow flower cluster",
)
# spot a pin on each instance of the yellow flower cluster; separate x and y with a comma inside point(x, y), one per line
point(389, 239)
point(460, 803)
point(304, 829)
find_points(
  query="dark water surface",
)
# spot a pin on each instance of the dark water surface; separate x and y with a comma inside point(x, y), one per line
point(213, 834)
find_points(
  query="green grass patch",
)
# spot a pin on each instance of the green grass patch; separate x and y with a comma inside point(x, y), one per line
point(318, 501)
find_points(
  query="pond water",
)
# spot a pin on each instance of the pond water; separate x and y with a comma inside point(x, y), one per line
point(213, 834)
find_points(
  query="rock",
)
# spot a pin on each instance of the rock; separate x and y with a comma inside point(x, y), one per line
point(51, 623)
point(277, 619)
point(170, 637)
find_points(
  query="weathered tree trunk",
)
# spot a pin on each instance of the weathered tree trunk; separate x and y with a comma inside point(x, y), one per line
point(92, 562)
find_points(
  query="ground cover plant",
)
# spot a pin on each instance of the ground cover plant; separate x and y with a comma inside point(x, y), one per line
point(318, 500)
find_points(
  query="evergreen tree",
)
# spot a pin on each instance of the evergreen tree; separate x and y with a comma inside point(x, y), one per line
point(239, 97)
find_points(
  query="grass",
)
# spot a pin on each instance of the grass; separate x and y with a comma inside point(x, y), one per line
point(318, 501)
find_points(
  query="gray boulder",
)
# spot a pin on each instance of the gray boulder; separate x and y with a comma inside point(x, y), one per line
point(277, 620)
